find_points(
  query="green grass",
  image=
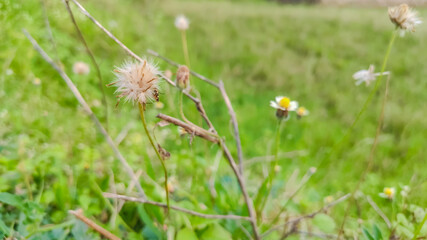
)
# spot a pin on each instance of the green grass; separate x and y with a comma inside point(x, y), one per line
point(52, 157)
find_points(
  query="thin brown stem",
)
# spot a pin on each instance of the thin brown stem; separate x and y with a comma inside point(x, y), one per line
point(87, 109)
point(93, 225)
point(378, 210)
point(92, 58)
point(202, 215)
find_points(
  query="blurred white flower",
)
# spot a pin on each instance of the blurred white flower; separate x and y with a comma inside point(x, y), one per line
point(405, 191)
point(9, 72)
point(37, 81)
point(302, 112)
point(159, 105)
point(277, 168)
point(168, 74)
point(328, 199)
point(404, 17)
point(388, 192)
point(284, 103)
point(367, 76)
point(182, 23)
point(137, 81)
point(81, 68)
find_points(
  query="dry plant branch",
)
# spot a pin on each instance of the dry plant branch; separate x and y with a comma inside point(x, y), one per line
point(233, 117)
point(79, 214)
point(199, 76)
point(311, 215)
point(227, 101)
point(191, 129)
point(202, 215)
point(202, 112)
point(86, 108)
point(378, 210)
point(92, 58)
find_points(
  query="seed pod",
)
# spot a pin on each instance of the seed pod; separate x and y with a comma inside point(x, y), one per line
point(183, 77)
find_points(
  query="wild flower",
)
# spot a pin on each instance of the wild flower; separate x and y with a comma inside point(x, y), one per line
point(404, 17)
point(183, 77)
point(283, 105)
point(302, 112)
point(388, 193)
point(182, 23)
point(37, 81)
point(328, 199)
point(168, 74)
point(367, 76)
point(405, 191)
point(137, 81)
point(277, 168)
point(159, 105)
point(81, 68)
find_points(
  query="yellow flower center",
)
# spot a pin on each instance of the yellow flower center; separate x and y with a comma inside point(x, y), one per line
point(389, 192)
point(285, 102)
point(301, 111)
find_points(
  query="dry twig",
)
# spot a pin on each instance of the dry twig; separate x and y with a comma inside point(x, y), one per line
point(86, 108)
point(378, 210)
point(202, 215)
point(79, 214)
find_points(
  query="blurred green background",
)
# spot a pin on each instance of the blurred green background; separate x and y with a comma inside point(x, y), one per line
point(53, 159)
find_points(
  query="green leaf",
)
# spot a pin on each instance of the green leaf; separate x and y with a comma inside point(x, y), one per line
point(4, 229)
point(367, 234)
point(186, 234)
point(377, 233)
point(11, 199)
point(214, 232)
point(324, 222)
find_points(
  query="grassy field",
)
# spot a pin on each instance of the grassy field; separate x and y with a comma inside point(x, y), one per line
point(52, 159)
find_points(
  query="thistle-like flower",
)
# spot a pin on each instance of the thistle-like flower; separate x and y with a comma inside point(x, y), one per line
point(182, 23)
point(404, 17)
point(137, 81)
point(367, 76)
point(81, 68)
point(183, 77)
point(283, 105)
point(388, 192)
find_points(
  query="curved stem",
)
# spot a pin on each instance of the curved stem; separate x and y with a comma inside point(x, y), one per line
point(141, 112)
point(419, 227)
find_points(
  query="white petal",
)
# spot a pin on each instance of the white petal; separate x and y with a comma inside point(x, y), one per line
point(293, 106)
point(274, 104)
point(278, 98)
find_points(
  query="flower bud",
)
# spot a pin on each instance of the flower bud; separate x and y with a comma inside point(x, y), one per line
point(183, 77)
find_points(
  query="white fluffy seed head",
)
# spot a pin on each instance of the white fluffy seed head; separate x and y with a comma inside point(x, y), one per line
point(404, 17)
point(81, 68)
point(182, 23)
point(138, 81)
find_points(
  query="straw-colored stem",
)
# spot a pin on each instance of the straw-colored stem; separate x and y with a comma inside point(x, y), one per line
point(141, 112)
point(185, 48)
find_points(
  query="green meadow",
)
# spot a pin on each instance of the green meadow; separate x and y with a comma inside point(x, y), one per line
point(53, 159)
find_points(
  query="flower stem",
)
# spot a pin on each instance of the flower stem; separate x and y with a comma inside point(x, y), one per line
point(185, 48)
point(141, 112)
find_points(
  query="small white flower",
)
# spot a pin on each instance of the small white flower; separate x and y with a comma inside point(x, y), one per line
point(388, 192)
point(81, 68)
point(182, 23)
point(367, 76)
point(302, 112)
point(284, 104)
point(138, 81)
point(404, 17)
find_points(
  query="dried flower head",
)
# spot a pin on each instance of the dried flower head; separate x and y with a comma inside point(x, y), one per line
point(388, 192)
point(302, 112)
point(81, 68)
point(283, 105)
point(183, 77)
point(404, 17)
point(182, 23)
point(367, 76)
point(138, 81)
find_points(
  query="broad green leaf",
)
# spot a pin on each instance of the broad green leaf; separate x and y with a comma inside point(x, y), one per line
point(367, 235)
point(377, 233)
point(324, 222)
point(214, 232)
point(11, 199)
point(186, 234)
